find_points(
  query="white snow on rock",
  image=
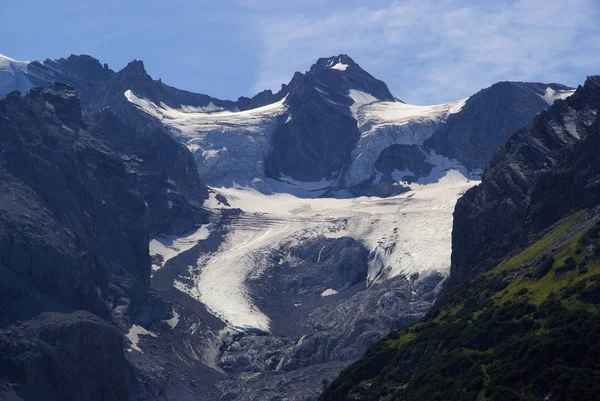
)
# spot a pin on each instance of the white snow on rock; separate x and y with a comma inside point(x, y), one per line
point(169, 246)
point(328, 292)
point(405, 234)
point(133, 335)
point(551, 95)
point(383, 123)
point(174, 320)
point(340, 66)
point(360, 99)
point(373, 115)
point(229, 146)
point(12, 76)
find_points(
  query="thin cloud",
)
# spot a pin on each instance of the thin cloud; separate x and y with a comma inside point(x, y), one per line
point(431, 51)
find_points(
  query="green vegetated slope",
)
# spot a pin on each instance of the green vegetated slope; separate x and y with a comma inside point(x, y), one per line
point(529, 329)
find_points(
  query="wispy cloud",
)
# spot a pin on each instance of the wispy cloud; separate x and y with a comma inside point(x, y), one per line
point(433, 51)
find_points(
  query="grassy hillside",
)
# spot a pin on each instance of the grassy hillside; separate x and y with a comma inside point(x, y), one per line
point(527, 330)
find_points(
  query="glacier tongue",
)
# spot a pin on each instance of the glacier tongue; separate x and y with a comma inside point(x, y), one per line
point(399, 231)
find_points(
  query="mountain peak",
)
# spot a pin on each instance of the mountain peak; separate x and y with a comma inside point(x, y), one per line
point(340, 63)
point(136, 66)
point(340, 74)
point(84, 62)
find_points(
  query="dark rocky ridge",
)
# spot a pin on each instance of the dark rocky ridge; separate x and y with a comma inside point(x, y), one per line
point(400, 157)
point(91, 79)
point(83, 72)
point(488, 119)
point(159, 167)
point(545, 171)
point(66, 356)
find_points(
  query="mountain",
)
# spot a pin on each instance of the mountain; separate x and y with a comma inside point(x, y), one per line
point(58, 258)
point(309, 147)
point(329, 125)
point(519, 320)
point(325, 131)
point(278, 274)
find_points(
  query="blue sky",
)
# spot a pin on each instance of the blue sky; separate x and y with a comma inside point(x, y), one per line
point(427, 51)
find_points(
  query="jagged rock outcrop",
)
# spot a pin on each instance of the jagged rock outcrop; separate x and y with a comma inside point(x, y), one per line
point(83, 72)
point(66, 356)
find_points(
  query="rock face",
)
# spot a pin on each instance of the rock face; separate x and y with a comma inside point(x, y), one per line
point(490, 117)
point(321, 264)
point(542, 173)
point(68, 356)
point(403, 157)
point(78, 205)
point(158, 167)
point(83, 72)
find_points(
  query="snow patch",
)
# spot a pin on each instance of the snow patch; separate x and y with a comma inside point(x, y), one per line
point(340, 66)
point(170, 246)
point(133, 335)
point(360, 99)
point(204, 109)
point(328, 292)
point(551, 95)
point(174, 320)
point(12, 76)
point(221, 282)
